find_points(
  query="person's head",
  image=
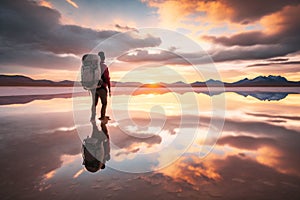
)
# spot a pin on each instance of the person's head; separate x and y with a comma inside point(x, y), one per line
point(101, 55)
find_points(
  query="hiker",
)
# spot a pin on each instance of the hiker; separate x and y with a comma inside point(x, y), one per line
point(96, 149)
point(101, 90)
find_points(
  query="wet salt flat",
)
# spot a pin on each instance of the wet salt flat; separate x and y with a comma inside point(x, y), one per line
point(164, 145)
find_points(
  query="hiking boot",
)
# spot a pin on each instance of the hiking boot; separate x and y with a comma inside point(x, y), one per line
point(102, 118)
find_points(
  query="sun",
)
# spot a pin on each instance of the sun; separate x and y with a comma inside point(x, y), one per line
point(150, 82)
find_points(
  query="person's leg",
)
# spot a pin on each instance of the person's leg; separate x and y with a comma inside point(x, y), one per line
point(96, 99)
point(103, 97)
point(94, 104)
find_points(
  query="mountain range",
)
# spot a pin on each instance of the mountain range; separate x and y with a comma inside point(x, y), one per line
point(260, 81)
point(18, 80)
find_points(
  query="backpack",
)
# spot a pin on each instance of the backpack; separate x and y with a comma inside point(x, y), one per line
point(89, 148)
point(90, 72)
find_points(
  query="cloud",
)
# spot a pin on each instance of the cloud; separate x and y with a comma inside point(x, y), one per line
point(280, 38)
point(247, 12)
point(278, 19)
point(45, 3)
point(285, 31)
point(244, 39)
point(32, 58)
point(144, 56)
point(167, 57)
point(72, 3)
point(275, 63)
point(278, 59)
point(125, 28)
point(234, 10)
point(31, 33)
point(252, 53)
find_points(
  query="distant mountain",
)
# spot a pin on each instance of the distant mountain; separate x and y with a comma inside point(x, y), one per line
point(209, 83)
point(245, 80)
point(265, 81)
point(18, 80)
point(260, 81)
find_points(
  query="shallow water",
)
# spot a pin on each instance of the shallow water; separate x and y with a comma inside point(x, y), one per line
point(164, 144)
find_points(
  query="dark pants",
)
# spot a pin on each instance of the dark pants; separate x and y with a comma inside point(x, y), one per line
point(102, 93)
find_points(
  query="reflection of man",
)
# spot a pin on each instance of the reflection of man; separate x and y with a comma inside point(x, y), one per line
point(101, 91)
point(96, 149)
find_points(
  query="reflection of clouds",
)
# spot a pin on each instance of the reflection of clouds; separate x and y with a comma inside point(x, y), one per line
point(272, 145)
point(229, 177)
point(267, 138)
point(246, 142)
point(192, 169)
point(126, 144)
point(289, 117)
point(34, 151)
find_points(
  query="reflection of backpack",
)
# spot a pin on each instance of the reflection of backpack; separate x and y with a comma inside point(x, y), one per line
point(90, 147)
point(90, 71)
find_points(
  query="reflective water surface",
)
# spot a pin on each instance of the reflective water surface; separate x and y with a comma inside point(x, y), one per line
point(255, 157)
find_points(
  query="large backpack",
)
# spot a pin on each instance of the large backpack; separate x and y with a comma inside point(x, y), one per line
point(90, 147)
point(90, 72)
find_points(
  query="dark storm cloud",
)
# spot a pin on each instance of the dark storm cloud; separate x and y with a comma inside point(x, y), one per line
point(29, 33)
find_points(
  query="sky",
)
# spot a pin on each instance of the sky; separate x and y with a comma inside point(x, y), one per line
point(147, 39)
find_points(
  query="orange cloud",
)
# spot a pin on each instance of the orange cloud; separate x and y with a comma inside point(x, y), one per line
point(172, 12)
point(45, 4)
point(72, 3)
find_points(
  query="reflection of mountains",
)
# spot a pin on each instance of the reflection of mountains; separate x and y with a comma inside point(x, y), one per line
point(23, 99)
point(260, 95)
point(263, 96)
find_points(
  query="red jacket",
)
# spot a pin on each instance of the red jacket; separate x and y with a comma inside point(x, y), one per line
point(105, 76)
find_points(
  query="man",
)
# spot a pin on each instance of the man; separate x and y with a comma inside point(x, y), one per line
point(101, 90)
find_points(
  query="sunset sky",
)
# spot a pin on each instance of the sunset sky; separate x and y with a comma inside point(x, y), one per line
point(45, 39)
